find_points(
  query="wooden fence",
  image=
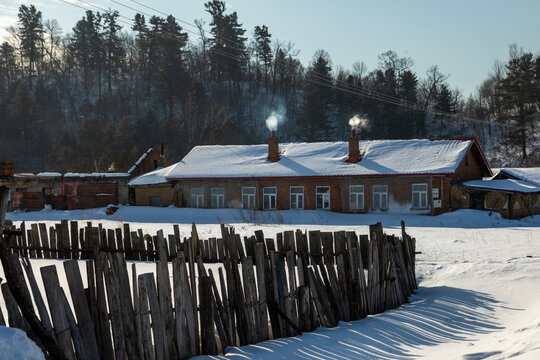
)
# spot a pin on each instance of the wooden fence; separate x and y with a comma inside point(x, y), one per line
point(259, 289)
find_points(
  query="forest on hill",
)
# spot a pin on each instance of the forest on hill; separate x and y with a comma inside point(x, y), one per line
point(105, 91)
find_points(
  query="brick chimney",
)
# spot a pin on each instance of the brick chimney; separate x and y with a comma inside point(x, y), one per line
point(273, 147)
point(354, 152)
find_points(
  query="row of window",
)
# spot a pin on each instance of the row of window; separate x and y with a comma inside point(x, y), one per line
point(322, 196)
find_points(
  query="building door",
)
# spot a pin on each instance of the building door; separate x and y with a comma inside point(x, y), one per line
point(476, 201)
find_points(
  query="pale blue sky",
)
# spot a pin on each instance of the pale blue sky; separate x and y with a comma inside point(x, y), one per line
point(462, 37)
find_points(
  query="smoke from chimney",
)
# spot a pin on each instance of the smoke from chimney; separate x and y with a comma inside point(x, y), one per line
point(358, 123)
point(277, 116)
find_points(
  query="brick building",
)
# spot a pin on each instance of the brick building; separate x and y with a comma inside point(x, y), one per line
point(356, 176)
point(79, 190)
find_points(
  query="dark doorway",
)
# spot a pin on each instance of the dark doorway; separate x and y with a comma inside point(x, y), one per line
point(476, 201)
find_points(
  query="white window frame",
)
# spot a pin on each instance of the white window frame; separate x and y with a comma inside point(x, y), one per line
point(420, 205)
point(270, 196)
point(356, 194)
point(323, 194)
point(249, 200)
point(297, 196)
point(197, 200)
point(380, 194)
point(217, 200)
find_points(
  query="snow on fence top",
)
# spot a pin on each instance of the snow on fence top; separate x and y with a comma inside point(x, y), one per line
point(381, 157)
point(531, 175)
point(511, 185)
point(95, 174)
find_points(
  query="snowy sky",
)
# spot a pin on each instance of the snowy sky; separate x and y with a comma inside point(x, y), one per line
point(463, 37)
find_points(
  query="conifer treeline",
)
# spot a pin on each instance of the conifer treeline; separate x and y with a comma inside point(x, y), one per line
point(107, 90)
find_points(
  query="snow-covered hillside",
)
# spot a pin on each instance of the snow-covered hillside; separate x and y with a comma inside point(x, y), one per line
point(478, 277)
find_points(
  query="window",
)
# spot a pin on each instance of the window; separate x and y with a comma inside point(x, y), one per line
point(323, 197)
point(380, 197)
point(197, 197)
point(297, 197)
point(419, 196)
point(48, 191)
point(356, 197)
point(218, 197)
point(155, 201)
point(248, 197)
point(269, 198)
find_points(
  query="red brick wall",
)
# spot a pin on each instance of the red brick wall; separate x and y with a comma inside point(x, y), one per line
point(469, 169)
point(399, 191)
point(85, 196)
point(27, 200)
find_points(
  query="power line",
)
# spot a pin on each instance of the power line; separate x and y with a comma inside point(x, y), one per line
point(319, 78)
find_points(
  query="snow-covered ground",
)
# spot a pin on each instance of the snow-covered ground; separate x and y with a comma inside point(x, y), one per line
point(479, 282)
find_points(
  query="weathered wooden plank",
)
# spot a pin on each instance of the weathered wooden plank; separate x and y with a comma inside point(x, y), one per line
point(103, 326)
point(144, 315)
point(115, 313)
point(31, 243)
point(57, 309)
point(220, 315)
point(53, 243)
point(315, 246)
point(184, 317)
point(157, 322)
point(229, 326)
point(24, 239)
point(111, 241)
point(74, 227)
point(82, 310)
point(208, 340)
point(36, 241)
point(291, 270)
point(251, 297)
point(119, 240)
point(261, 264)
point(164, 295)
point(328, 247)
point(288, 241)
point(78, 344)
point(304, 308)
point(64, 225)
point(127, 242)
point(126, 305)
point(38, 299)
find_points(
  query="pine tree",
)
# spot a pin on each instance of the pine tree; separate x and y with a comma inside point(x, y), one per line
point(263, 50)
point(114, 49)
point(86, 47)
point(227, 39)
point(315, 121)
point(519, 100)
point(31, 36)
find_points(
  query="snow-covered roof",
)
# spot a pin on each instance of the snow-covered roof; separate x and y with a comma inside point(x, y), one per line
point(532, 175)
point(155, 177)
point(49, 174)
point(140, 160)
point(95, 174)
point(381, 157)
point(510, 185)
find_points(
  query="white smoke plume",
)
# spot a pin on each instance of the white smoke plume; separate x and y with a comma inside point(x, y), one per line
point(358, 123)
point(276, 117)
